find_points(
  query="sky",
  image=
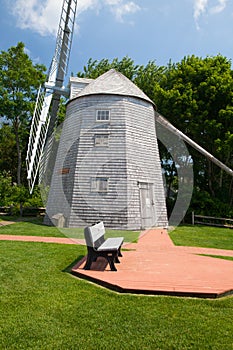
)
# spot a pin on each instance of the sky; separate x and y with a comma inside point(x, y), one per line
point(144, 30)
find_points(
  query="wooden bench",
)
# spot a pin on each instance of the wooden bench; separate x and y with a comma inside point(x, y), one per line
point(97, 245)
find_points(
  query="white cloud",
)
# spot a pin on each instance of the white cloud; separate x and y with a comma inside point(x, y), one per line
point(219, 7)
point(199, 8)
point(42, 16)
point(209, 7)
point(122, 9)
point(85, 5)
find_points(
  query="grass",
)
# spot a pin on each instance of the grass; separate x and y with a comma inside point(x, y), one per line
point(218, 256)
point(35, 227)
point(30, 227)
point(44, 307)
point(203, 236)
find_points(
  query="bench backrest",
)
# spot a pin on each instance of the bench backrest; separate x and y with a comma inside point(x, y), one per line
point(94, 235)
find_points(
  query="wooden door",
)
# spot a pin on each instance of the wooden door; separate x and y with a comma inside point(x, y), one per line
point(147, 205)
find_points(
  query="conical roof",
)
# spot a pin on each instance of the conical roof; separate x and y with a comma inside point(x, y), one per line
point(113, 83)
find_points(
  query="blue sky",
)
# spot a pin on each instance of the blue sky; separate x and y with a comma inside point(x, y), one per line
point(144, 30)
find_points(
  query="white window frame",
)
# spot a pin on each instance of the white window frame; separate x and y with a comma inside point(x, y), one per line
point(101, 140)
point(102, 115)
point(97, 184)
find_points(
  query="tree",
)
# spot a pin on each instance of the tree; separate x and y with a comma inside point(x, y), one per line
point(196, 95)
point(19, 81)
point(7, 153)
point(145, 77)
point(95, 68)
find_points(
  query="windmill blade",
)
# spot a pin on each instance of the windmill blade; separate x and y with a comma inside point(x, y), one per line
point(45, 155)
point(45, 114)
point(164, 122)
point(39, 127)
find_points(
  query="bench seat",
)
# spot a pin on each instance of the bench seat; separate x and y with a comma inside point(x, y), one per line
point(111, 244)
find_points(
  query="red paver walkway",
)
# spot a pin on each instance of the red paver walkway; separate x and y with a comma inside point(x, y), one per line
point(156, 266)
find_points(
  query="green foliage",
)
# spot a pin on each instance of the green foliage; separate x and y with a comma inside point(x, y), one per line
point(146, 77)
point(15, 196)
point(6, 189)
point(203, 203)
point(95, 68)
point(196, 95)
point(7, 150)
point(19, 80)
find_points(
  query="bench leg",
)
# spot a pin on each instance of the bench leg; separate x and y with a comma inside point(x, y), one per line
point(116, 260)
point(88, 263)
point(90, 258)
point(111, 258)
point(119, 252)
point(112, 265)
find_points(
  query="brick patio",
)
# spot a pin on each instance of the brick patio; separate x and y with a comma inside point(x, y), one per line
point(156, 266)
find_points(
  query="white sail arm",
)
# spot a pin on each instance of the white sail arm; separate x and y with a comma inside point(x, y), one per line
point(41, 115)
point(161, 120)
point(43, 123)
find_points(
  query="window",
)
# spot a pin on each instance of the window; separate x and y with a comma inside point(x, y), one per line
point(101, 140)
point(102, 115)
point(99, 184)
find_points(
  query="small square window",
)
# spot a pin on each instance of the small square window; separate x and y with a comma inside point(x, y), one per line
point(99, 184)
point(101, 140)
point(102, 115)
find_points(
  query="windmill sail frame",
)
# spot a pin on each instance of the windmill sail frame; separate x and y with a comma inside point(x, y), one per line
point(48, 99)
point(164, 122)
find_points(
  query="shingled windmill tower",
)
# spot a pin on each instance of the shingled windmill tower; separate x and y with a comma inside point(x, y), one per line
point(107, 166)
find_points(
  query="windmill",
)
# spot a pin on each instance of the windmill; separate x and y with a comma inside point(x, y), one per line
point(48, 98)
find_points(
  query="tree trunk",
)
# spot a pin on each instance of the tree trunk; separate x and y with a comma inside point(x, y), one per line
point(221, 179)
point(19, 154)
point(210, 177)
point(19, 157)
point(231, 192)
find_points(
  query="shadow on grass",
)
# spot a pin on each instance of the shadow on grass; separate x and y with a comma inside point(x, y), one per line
point(69, 268)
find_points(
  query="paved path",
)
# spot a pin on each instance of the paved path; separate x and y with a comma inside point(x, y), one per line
point(5, 223)
point(159, 267)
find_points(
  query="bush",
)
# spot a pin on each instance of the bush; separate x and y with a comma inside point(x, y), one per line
point(203, 204)
point(6, 189)
point(17, 196)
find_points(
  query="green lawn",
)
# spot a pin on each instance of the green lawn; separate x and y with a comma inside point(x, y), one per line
point(29, 227)
point(35, 227)
point(44, 307)
point(203, 236)
point(194, 236)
